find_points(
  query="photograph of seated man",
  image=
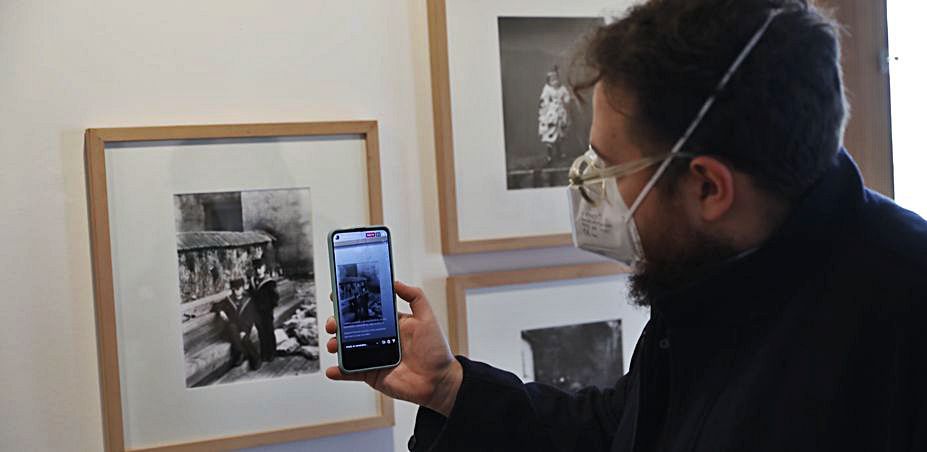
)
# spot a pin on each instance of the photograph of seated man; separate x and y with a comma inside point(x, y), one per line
point(238, 314)
point(265, 296)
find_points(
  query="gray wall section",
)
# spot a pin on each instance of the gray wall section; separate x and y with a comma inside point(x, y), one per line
point(380, 440)
point(287, 215)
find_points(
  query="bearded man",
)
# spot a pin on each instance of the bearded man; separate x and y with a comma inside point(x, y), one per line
point(785, 297)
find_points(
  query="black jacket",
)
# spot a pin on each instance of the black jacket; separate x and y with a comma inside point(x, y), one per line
point(265, 295)
point(242, 315)
point(813, 342)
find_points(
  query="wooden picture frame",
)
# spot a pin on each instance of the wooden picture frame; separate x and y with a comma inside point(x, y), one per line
point(99, 196)
point(866, 79)
point(457, 287)
point(453, 239)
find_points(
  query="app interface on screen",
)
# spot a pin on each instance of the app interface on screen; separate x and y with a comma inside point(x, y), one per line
point(365, 289)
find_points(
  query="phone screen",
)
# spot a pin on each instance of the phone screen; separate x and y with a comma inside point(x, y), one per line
point(362, 271)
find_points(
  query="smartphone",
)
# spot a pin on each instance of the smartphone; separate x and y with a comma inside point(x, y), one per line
point(361, 262)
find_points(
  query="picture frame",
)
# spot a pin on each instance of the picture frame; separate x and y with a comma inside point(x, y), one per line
point(275, 153)
point(484, 156)
point(493, 316)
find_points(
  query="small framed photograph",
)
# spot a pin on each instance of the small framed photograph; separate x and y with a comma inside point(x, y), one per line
point(508, 121)
point(569, 327)
point(211, 280)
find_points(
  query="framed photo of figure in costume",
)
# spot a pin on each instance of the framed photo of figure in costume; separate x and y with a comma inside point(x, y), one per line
point(508, 123)
point(210, 278)
point(569, 327)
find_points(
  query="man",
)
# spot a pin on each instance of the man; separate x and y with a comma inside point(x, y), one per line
point(265, 295)
point(238, 314)
point(786, 299)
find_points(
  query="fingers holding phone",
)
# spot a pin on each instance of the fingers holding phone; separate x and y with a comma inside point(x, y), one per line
point(428, 374)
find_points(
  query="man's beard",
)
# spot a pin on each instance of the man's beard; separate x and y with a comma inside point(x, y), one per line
point(682, 257)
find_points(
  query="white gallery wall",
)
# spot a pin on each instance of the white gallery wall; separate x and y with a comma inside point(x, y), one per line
point(66, 66)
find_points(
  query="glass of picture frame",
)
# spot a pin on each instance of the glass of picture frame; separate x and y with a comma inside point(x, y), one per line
point(569, 326)
point(507, 122)
point(211, 280)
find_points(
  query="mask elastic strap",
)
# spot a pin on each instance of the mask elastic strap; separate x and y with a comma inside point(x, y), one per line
point(704, 111)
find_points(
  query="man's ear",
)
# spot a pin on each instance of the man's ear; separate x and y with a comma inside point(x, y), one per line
point(713, 181)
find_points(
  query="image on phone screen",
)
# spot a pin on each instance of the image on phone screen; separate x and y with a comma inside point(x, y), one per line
point(363, 274)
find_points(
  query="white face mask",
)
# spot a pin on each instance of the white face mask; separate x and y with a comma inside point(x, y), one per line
point(602, 222)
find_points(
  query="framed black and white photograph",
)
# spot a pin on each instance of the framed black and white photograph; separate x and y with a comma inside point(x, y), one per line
point(546, 126)
point(508, 120)
point(247, 285)
point(572, 357)
point(570, 327)
point(209, 274)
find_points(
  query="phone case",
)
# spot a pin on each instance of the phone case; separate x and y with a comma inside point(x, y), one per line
point(337, 311)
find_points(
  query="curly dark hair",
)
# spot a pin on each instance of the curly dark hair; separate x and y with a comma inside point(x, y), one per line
point(782, 116)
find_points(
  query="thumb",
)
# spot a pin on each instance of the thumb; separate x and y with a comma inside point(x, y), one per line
point(416, 298)
point(335, 373)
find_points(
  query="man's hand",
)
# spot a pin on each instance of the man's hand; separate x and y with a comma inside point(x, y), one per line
point(428, 374)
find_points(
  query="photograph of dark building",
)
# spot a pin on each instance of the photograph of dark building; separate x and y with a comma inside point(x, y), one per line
point(546, 127)
point(359, 293)
point(572, 357)
point(247, 285)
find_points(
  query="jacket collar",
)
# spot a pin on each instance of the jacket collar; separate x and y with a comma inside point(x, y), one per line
point(751, 285)
point(263, 281)
point(239, 306)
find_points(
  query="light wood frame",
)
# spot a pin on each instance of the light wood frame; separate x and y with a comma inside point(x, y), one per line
point(444, 148)
point(95, 142)
point(457, 287)
point(866, 78)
